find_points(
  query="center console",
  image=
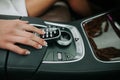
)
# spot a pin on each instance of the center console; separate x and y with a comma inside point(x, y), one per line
point(67, 47)
point(88, 48)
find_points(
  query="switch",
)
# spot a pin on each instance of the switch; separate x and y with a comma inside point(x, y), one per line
point(59, 55)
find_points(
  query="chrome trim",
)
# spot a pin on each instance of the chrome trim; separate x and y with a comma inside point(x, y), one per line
point(80, 50)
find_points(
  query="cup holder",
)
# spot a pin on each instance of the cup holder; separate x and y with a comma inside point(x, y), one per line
point(65, 38)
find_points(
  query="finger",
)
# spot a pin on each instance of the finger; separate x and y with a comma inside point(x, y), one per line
point(30, 36)
point(27, 41)
point(17, 49)
point(21, 21)
point(31, 28)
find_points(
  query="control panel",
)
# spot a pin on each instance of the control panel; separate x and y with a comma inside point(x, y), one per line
point(65, 43)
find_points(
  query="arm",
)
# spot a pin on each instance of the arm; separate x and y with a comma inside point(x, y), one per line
point(80, 6)
point(38, 7)
point(17, 31)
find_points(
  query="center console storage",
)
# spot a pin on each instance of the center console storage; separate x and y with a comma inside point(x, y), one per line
point(103, 33)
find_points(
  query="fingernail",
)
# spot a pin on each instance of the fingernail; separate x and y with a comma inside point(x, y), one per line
point(39, 47)
point(45, 43)
point(43, 31)
point(27, 52)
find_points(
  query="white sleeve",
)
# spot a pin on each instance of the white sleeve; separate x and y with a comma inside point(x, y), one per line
point(13, 7)
point(20, 7)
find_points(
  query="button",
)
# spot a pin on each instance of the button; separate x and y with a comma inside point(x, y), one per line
point(47, 35)
point(43, 36)
point(54, 32)
point(59, 54)
point(51, 34)
point(47, 30)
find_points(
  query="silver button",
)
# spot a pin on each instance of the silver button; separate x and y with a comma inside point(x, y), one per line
point(59, 54)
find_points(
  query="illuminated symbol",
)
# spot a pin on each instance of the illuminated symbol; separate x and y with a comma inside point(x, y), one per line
point(76, 39)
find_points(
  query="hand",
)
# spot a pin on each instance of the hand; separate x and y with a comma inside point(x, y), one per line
point(17, 31)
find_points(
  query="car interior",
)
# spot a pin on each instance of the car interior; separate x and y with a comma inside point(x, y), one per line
point(79, 48)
